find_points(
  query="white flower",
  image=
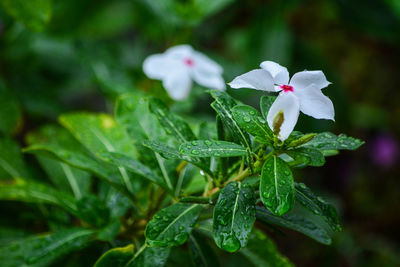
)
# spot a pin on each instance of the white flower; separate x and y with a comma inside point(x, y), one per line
point(181, 64)
point(303, 93)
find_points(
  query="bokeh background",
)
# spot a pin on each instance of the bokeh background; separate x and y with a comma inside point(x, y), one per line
point(81, 54)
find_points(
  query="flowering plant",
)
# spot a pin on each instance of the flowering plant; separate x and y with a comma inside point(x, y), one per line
point(160, 183)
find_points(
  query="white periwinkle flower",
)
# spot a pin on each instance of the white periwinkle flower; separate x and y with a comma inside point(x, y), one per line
point(181, 64)
point(303, 93)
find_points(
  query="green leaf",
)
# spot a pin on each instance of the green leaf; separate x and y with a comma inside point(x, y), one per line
point(99, 133)
point(211, 148)
point(329, 141)
point(93, 210)
point(317, 205)
point(66, 177)
point(149, 257)
point(250, 119)
point(308, 156)
point(223, 105)
point(234, 216)
point(35, 14)
point(171, 226)
point(266, 102)
point(295, 222)
point(262, 251)
point(58, 143)
point(172, 153)
point(43, 250)
point(136, 167)
point(201, 252)
point(277, 186)
point(133, 113)
point(33, 192)
point(172, 124)
point(10, 111)
point(116, 257)
point(11, 162)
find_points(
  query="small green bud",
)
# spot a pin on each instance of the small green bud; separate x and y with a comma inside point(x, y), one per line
point(302, 140)
point(277, 122)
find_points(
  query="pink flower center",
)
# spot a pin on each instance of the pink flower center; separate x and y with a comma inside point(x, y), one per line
point(286, 88)
point(188, 62)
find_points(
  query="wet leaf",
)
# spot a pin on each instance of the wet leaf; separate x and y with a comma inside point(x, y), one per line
point(171, 226)
point(277, 186)
point(308, 156)
point(211, 148)
point(173, 125)
point(43, 250)
point(266, 102)
point(250, 119)
point(234, 216)
point(317, 205)
point(149, 257)
point(297, 222)
point(329, 141)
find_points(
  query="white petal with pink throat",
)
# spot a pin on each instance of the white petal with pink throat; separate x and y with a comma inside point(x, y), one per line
point(178, 84)
point(289, 104)
point(208, 79)
point(256, 79)
point(279, 73)
point(205, 64)
point(303, 79)
point(159, 66)
point(314, 103)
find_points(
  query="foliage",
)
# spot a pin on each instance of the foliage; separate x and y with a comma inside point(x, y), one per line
point(160, 212)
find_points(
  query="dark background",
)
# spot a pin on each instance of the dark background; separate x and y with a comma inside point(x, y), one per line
point(89, 52)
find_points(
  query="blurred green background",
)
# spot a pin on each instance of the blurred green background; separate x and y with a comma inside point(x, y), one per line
point(63, 55)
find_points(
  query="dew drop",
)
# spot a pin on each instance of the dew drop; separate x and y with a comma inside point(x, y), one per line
point(195, 151)
point(230, 244)
point(195, 143)
point(246, 119)
point(180, 238)
point(208, 142)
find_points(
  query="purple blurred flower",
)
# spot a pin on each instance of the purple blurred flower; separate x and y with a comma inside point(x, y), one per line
point(384, 150)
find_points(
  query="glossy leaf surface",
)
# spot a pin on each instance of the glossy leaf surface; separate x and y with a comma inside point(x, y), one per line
point(308, 156)
point(328, 141)
point(277, 186)
point(171, 226)
point(234, 216)
point(250, 120)
point(297, 222)
point(317, 205)
point(211, 148)
point(43, 250)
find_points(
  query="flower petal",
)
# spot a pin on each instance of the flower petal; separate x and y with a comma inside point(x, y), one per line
point(158, 66)
point(205, 64)
point(256, 79)
point(278, 72)
point(289, 104)
point(179, 51)
point(315, 104)
point(208, 79)
point(303, 79)
point(178, 84)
